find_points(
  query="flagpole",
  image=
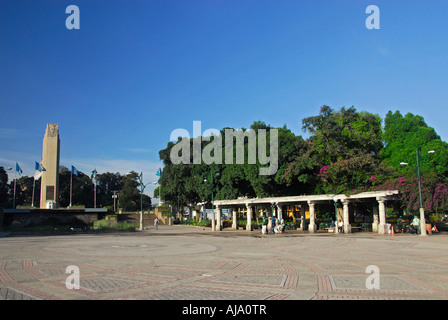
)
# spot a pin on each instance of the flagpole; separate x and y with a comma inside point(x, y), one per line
point(94, 192)
point(71, 182)
point(32, 198)
point(14, 198)
point(94, 187)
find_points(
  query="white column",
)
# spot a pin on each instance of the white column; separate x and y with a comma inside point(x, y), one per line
point(218, 218)
point(382, 215)
point(213, 220)
point(303, 216)
point(422, 222)
point(375, 219)
point(249, 218)
point(234, 223)
point(312, 226)
point(347, 226)
point(279, 210)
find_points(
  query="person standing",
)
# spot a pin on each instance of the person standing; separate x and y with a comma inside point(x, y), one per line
point(269, 225)
point(416, 224)
point(273, 223)
point(156, 223)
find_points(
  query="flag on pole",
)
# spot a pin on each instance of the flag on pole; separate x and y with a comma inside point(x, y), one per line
point(93, 174)
point(159, 172)
point(39, 167)
point(74, 171)
point(37, 175)
point(18, 169)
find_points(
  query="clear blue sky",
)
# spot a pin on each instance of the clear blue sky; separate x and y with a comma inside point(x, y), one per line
point(137, 70)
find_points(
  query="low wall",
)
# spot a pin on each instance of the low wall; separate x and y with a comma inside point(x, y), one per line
point(52, 217)
point(135, 218)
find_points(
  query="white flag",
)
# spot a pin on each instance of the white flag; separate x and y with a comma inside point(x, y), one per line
point(37, 175)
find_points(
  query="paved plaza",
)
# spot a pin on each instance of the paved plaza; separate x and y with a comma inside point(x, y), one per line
point(191, 263)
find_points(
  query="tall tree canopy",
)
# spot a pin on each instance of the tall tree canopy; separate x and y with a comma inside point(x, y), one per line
point(189, 183)
point(403, 135)
point(347, 151)
point(342, 150)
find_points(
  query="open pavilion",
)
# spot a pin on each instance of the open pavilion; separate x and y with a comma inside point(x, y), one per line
point(275, 205)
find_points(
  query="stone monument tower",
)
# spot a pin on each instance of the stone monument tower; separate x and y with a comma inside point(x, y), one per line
point(50, 161)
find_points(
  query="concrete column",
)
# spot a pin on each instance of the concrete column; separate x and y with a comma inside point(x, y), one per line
point(382, 215)
point(312, 226)
point(347, 226)
point(218, 218)
point(234, 222)
point(249, 218)
point(279, 210)
point(422, 222)
point(303, 216)
point(213, 220)
point(375, 219)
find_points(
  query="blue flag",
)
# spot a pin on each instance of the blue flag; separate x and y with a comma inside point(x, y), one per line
point(93, 174)
point(74, 171)
point(159, 172)
point(39, 167)
point(18, 169)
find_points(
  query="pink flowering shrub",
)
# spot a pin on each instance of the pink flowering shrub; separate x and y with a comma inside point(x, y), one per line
point(353, 176)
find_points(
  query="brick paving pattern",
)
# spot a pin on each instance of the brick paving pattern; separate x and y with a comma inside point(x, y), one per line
point(189, 263)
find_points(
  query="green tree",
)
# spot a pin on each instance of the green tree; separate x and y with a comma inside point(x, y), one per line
point(184, 183)
point(404, 135)
point(336, 136)
point(130, 194)
point(342, 151)
point(82, 189)
point(24, 191)
point(4, 188)
point(106, 183)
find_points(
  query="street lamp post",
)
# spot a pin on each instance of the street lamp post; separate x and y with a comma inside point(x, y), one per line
point(421, 209)
point(115, 195)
